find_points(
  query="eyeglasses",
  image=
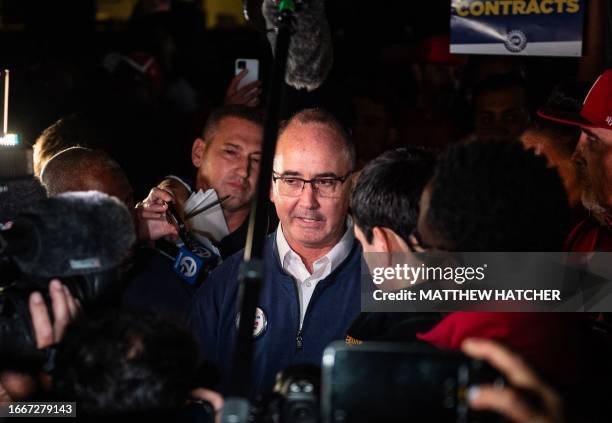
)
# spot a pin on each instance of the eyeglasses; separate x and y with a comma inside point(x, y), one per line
point(292, 186)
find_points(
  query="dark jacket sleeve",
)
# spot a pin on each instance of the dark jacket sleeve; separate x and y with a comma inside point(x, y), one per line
point(203, 318)
point(211, 304)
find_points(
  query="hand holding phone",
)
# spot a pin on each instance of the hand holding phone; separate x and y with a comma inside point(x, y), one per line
point(245, 87)
point(527, 398)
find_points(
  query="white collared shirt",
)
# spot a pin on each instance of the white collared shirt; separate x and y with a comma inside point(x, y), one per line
point(304, 280)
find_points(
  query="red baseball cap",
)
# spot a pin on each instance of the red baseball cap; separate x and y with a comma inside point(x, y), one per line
point(596, 110)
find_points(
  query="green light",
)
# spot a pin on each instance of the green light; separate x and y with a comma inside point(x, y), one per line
point(286, 5)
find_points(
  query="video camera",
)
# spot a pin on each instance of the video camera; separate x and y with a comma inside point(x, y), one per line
point(16, 334)
point(295, 398)
point(16, 174)
point(80, 238)
point(390, 382)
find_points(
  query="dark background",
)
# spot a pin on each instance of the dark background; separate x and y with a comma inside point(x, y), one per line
point(55, 50)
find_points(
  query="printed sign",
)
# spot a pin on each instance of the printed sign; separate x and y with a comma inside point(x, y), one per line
point(517, 27)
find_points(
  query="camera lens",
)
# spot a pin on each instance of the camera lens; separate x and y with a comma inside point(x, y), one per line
point(241, 64)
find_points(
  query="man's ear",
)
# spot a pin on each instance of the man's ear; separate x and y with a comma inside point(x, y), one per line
point(380, 240)
point(387, 241)
point(197, 151)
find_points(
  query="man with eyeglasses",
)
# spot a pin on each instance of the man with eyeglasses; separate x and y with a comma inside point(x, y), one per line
point(311, 291)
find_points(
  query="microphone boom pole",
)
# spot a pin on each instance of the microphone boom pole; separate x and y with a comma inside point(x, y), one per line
point(236, 408)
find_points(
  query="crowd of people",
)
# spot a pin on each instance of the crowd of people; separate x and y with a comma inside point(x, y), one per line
point(393, 179)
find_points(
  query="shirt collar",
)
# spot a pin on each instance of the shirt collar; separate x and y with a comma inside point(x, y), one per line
point(284, 251)
point(336, 255)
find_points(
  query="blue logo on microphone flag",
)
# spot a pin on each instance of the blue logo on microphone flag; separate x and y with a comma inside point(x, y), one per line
point(188, 265)
point(517, 27)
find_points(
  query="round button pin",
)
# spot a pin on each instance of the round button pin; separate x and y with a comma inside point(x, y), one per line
point(260, 325)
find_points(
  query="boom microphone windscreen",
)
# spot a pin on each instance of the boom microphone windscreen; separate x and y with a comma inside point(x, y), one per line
point(74, 233)
point(310, 56)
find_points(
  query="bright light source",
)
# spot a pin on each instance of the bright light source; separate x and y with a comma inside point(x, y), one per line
point(9, 140)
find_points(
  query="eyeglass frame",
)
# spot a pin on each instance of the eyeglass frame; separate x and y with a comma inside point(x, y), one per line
point(312, 181)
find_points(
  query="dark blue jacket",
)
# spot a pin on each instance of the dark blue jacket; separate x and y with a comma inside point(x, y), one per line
point(334, 305)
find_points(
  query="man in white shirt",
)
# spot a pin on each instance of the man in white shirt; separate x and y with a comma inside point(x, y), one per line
point(311, 289)
point(306, 281)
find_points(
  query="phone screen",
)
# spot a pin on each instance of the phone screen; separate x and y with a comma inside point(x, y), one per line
point(394, 385)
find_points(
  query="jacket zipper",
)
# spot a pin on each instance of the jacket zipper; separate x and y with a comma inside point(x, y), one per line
point(299, 340)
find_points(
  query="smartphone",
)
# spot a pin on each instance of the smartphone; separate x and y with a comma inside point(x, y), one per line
point(392, 382)
point(253, 67)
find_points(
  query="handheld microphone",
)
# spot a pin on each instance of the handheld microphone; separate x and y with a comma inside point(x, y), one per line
point(310, 56)
point(75, 233)
point(196, 257)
